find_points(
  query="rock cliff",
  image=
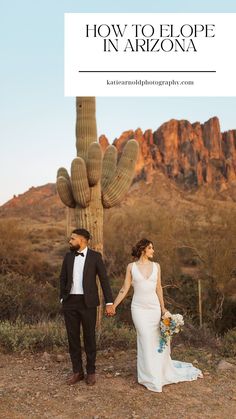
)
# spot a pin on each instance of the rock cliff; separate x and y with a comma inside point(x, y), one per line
point(191, 154)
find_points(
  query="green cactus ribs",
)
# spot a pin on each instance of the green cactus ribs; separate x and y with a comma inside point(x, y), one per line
point(86, 126)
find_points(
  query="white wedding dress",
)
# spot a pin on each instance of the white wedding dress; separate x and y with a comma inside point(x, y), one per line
point(154, 369)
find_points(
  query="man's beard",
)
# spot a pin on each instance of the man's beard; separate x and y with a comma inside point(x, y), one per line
point(75, 247)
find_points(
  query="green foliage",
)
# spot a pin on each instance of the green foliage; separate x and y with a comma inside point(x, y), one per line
point(46, 335)
point(20, 336)
point(116, 334)
point(49, 334)
point(194, 336)
point(22, 297)
point(229, 343)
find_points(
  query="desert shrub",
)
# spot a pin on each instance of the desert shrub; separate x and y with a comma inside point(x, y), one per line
point(46, 335)
point(23, 297)
point(193, 335)
point(62, 249)
point(18, 255)
point(206, 249)
point(54, 232)
point(20, 336)
point(203, 241)
point(14, 246)
point(116, 334)
point(28, 283)
point(205, 244)
point(228, 347)
point(123, 229)
point(229, 316)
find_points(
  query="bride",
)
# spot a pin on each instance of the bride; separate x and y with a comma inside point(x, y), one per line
point(154, 369)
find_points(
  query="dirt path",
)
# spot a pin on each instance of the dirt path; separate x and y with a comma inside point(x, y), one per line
point(33, 386)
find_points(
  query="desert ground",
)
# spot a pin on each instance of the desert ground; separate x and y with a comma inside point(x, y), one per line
point(33, 386)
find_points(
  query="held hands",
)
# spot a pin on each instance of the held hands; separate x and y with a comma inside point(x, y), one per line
point(110, 310)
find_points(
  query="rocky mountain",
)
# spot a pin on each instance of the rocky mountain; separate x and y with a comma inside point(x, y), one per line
point(196, 157)
point(37, 202)
point(191, 154)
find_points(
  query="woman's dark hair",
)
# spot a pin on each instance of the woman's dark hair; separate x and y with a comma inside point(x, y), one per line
point(139, 247)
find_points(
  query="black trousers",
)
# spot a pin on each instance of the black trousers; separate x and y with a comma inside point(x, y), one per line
point(76, 314)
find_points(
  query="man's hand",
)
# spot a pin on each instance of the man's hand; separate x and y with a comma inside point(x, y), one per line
point(110, 310)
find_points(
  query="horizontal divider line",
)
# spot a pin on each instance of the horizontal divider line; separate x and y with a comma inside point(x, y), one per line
point(147, 71)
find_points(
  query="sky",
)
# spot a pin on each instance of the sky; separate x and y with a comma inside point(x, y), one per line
point(37, 122)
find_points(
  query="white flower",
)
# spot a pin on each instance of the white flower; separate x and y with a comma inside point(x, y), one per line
point(178, 318)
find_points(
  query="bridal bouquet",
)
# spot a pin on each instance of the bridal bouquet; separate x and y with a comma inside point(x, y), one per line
point(169, 326)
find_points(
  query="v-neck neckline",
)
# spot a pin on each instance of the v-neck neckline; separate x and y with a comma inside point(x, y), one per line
point(142, 274)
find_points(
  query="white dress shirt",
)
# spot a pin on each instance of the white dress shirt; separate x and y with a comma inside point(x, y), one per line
point(78, 269)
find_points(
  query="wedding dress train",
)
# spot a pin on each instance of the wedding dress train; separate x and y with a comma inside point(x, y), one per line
point(154, 369)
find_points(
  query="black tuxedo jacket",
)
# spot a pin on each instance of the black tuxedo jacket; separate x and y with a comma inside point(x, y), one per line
point(93, 266)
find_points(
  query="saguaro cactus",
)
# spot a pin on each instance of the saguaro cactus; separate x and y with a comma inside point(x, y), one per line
point(96, 182)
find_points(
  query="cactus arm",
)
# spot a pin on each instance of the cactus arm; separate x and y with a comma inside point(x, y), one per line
point(63, 172)
point(121, 181)
point(86, 127)
point(79, 182)
point(65, 192)
point(108, 165)
point(94, 163)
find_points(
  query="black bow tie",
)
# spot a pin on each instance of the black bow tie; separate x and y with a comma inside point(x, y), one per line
point(79, 254)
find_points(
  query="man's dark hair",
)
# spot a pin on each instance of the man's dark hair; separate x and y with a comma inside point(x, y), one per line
point(82, 232)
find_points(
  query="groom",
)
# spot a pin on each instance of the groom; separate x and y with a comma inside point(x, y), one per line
point(79, 298)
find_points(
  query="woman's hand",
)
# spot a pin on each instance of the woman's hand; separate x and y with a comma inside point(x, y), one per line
point(165, 313)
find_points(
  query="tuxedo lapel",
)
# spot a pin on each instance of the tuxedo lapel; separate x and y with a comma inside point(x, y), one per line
point(86, 264)
point(71, 266)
